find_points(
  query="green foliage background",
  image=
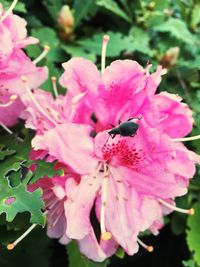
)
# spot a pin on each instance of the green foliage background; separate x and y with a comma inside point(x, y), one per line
point(163, 32)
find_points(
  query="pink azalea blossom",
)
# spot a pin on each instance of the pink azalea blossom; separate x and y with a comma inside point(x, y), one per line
point(129, 181)
point(14, 63)
point(118, 176)
point(13, 36)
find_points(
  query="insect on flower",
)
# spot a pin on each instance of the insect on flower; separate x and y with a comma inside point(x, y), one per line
point(127, 128)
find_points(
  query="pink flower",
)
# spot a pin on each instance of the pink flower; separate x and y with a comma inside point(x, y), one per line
point(130, 182)
point(13, 36)
point(118, 176)
point(124, 91)
point(14, 63)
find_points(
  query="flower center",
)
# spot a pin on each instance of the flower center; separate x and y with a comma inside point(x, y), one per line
point(122, 153)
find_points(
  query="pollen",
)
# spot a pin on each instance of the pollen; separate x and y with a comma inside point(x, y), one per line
point(10, 246)
point(13, 97)
point(106, 236)
point(150, 248)
point(191, 211)
point(23, 78)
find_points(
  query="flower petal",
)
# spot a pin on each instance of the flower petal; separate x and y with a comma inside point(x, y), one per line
point(122, 218)
point(80, 75)
point(71, 144)
point(78, 207)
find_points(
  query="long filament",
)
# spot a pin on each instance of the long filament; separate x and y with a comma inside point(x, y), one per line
point(42, 55)
point(196, 137)
point(147, 247)
point(13, 245)
point(170, 206)
point(5, 128)
point(104, 234)
point(7, 13)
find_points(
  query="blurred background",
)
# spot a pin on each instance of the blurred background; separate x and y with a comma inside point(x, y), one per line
point(165, 32)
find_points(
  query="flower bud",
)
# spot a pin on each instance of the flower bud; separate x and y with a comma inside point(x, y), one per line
point(66, 22)
point(169, 59)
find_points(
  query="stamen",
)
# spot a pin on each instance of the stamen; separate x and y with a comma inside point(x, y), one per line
point(142, 244)
point(104, 234)
point(106, 39)
point(7, 13)
point(5, 128)
point(13, 245)
point(168, 205)
point(42, 55)
point(196, 137)
point(24, 79)
point(55, 90)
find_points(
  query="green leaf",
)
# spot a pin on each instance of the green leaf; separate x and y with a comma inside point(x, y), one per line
point(15, 200)
point(176, 28)
point(79, 260)
point(22, 149)
point(46, 35)
point(114, 8)
point(20, 7)
point(83, 10)
point(195, 16)
point(53, 7)
point(78, 51)
point(141, 41)
point(44, 169)
point(193, 234)
point(116, 45)
point(5, 152)
point(189, 263)
point(120, 253)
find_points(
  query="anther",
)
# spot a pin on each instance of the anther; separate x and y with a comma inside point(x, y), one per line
point(13, 97)
point(7, 13)
point(55, 90)
point(10, 246)
point(147, 247)
point(172, 207)
point(106, 236)
point(42, 55)
point(106, 39)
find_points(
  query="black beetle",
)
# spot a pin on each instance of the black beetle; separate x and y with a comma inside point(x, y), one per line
point(127, 128)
